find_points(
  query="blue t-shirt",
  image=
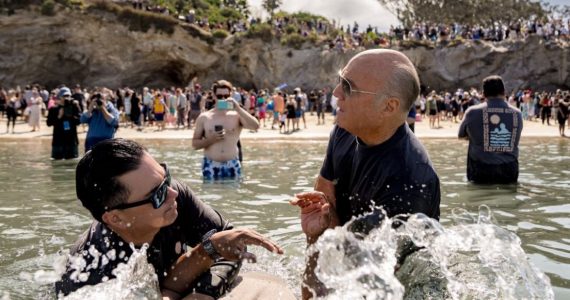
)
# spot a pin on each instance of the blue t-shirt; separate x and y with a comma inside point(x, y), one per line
point(396, 175)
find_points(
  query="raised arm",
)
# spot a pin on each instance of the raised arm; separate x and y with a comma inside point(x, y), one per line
point(245, 118)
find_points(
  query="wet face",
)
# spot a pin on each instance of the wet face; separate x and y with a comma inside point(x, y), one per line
point(142, 183)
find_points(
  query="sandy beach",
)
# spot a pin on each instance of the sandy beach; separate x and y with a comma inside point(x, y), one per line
point(313, 131)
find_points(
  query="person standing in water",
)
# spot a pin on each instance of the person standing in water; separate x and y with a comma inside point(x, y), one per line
point(493, 129)
point(217, 132)
point(374, 162)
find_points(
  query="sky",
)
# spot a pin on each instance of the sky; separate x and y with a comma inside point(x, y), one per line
point(347, 11)
point(344, 11)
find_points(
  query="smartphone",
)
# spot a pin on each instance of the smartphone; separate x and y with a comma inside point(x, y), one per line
point(224, 105)
point(218, 128)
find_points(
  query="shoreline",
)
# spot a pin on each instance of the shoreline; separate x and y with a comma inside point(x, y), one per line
point(448, 130)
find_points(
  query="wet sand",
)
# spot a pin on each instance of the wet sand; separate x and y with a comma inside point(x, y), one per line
point(312, 132)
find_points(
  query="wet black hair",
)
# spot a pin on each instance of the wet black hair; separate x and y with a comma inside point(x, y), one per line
point(96, 178)
point(493, 86)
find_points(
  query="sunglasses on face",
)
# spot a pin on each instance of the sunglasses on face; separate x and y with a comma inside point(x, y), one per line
point(347, 87)
point(222, 96)
point(157, 197)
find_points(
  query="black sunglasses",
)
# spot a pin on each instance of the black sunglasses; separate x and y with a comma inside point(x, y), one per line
point(347, 87)
point(156, 199)
point(222, 96)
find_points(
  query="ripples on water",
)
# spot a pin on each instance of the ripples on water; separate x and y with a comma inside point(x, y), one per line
point(39, 214)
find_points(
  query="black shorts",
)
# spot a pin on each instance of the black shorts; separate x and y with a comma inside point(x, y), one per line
point(432, 112)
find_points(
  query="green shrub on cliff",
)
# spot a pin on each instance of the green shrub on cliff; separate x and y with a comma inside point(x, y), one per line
point(48, 8)
point(262, 31)
point(293, 40)
point(220, 34)
point(291, 29)
point(139, 20)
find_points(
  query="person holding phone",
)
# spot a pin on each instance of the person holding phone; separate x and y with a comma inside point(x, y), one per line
point(103, 120)
point(218, 131)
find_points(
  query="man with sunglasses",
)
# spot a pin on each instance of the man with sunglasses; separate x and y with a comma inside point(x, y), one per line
point(374, 163)
point(218, 131)
point(134, 201)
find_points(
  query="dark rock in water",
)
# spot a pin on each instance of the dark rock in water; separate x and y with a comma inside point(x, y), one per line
point(94, 48)
point(422, 278)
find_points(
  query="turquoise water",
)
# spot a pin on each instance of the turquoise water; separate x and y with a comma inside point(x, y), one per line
point(39, 214)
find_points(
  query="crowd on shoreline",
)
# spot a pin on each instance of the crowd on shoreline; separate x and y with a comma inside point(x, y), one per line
point(341, 38)
point(178, 108)
point(172, 108)
point(534, 106)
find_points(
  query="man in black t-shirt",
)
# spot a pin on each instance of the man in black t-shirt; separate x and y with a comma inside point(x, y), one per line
point(494, 130)
point(133, 199)
point(373, 159)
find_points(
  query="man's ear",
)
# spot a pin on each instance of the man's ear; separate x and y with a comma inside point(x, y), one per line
point(114, 219)
point(392, 105)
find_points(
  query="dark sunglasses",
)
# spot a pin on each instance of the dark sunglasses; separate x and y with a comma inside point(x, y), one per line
point(158, 195)
point(347, 87)
point(222, 96)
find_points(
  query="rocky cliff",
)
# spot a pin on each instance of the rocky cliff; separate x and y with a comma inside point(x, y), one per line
point(93, 48)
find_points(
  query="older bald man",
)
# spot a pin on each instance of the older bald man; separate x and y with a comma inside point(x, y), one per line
point(373, 159)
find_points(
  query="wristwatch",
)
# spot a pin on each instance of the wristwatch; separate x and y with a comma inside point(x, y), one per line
point(209, 247)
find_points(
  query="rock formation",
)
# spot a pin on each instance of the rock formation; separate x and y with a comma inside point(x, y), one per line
point(95, 49)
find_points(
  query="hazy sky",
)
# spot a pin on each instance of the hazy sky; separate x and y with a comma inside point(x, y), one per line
point(347, 11)
point(344, 11)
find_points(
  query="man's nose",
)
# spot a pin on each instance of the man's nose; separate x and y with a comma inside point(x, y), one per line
point(172, 193)
point(337, 92)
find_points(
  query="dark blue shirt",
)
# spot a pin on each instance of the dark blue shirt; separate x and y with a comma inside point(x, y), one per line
point(494, 129)
point(396, 175)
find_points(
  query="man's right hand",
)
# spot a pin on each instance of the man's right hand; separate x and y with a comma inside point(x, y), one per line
point(231, 244)
point(217, 136)
point(316, 214)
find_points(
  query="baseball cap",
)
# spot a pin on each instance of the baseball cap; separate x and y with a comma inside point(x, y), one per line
point(64, 92)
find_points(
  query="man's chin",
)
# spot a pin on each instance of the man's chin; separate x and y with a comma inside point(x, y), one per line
point(171, 215)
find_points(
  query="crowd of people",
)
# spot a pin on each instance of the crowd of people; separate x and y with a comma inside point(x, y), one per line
point(179, 108)
point(167, 108)
point(534, 105)
point(553, 28)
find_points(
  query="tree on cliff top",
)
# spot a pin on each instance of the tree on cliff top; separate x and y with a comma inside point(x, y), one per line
point(468, 12)
point(270, 6)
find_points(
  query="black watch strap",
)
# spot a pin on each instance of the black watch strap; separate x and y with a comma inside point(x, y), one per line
point(209, 247)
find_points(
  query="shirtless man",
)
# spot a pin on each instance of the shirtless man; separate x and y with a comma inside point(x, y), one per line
point(217, 132)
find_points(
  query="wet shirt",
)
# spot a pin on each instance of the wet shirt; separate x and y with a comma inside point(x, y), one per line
point(494, 130)
point(103, 250)
point(396, 175)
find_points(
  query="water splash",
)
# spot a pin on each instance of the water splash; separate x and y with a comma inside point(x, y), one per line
point(472, 259)
point(355, 268)
point(134, 280)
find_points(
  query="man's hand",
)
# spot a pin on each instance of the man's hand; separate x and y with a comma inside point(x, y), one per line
point(316, 213)
point(231, 244)
point(217, 136)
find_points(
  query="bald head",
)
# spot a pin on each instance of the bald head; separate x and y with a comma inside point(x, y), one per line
point(392, 72)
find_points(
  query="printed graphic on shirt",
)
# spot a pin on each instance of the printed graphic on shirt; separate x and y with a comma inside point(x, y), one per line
point(496, 136)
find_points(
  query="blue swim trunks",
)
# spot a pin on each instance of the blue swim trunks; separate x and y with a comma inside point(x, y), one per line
point(215, 170)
